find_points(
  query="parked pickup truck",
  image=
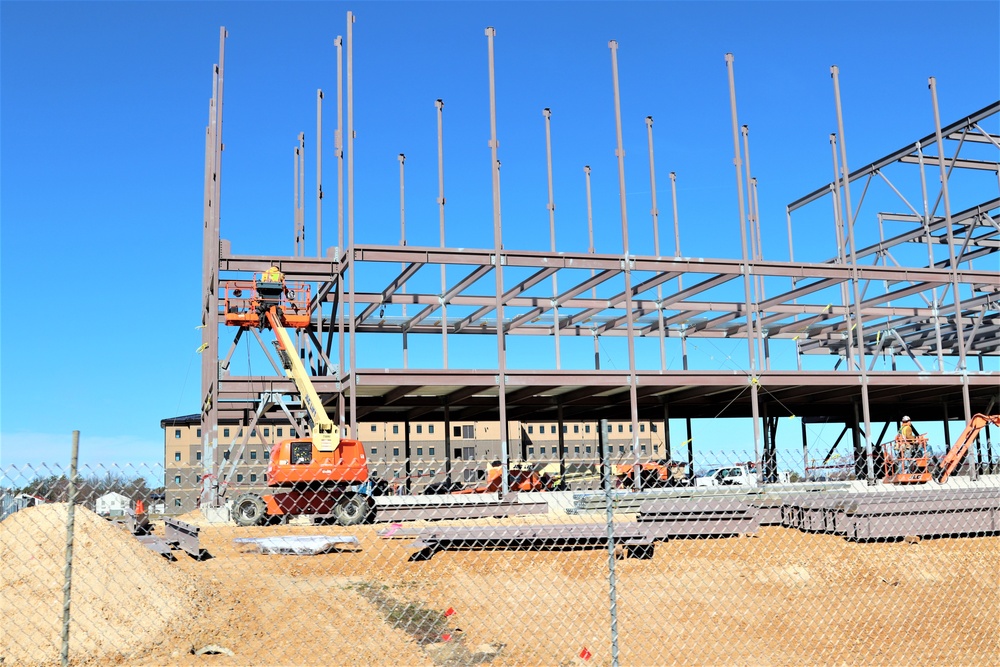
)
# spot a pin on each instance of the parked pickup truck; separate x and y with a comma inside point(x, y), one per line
point(737, 475)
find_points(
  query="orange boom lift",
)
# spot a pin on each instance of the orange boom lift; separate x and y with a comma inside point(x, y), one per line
point(322, 475)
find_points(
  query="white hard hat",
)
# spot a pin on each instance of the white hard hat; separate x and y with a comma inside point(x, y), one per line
point(905, 418)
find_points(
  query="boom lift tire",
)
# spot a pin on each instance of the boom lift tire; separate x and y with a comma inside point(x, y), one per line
point(249, 510)
point(352, 509)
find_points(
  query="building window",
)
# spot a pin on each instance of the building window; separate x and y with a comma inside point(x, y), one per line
point(642, 428)
point(458, 453)
point(197, 479)
point(279, 432)
point(576, 428)
point(177, 433)
point(430, 451)
point(225, 433)
point(530, 429)
point(253, 433)
point(291, 433)
point(621, 449)
point(225, 454)
point(531, 451)
point(177, 502)
point(374, 451)
point(430, 429)
point(656, 449)
point(456, 431)
point(199, 433)
point(240, 434)
point(177, 480)
point(576, 450)
point(588, 449)
point(652, 427)
point(469, 431)
point(565, 428)
point(177, 456)
point(239, 478)
point(541, 450)
point(587, 428)
point(552, 429)
point(620, 428)
point(420, 428)
point(643, 447)
point(253, 455)
point(609, 428)
point(395, 451)
point(253, 477)
point(197, 456)
point(420, 451)
point(267, 432)
point(267, 455)
point(395, 429)
point(373, 428)
point(629, 428)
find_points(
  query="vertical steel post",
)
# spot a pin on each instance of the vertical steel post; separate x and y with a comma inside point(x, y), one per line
point(210, 279)
point(68, 572)
point(498, 271)
point(299, 236)
point(838, 222)
point(447, 444)
point(805, 451)
point(930, 257)
point(402, 242)
point(859, 323)
point(590, 249)
point(667, 453)
point(547, 113)
point(353, 379)
point(339, 143)
point(627, 268)
point(677, 254)
point(747, 269)
point(439, 105)
point(655, 213)
point(959, 329)
point(319, 172)
point(319, 221)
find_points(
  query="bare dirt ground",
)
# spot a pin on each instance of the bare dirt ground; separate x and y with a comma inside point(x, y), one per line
point(782, 597)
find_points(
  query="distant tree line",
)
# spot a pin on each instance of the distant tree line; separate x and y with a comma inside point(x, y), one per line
point(55, 488)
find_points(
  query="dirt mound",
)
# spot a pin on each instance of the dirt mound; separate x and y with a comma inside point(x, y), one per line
point(123, 594)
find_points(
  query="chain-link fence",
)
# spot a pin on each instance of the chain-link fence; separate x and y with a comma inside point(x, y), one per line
point(714, 568)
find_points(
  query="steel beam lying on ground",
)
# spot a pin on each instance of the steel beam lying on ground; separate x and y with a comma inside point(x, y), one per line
point(699, 517)
point(636, 539)
point(184, 536)
point(973, 511)
point(413, 511)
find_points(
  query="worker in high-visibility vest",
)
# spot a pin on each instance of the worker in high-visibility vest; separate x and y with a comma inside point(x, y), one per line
point(272, 275)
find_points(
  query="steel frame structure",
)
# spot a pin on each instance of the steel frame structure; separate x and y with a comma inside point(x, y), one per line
point(676, 299)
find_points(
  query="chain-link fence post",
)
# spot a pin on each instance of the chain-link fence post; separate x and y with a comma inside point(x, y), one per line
point(610, 521)
point(67, 584)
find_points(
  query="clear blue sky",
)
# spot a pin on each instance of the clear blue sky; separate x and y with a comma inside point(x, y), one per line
point(104, 107)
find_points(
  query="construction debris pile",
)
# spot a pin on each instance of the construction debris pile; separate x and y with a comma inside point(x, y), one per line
point(123, 594)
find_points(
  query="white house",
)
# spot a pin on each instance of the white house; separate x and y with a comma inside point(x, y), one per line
point(112, 504)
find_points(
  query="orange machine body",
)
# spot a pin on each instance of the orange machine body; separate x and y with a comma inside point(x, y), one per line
point(297, 462)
